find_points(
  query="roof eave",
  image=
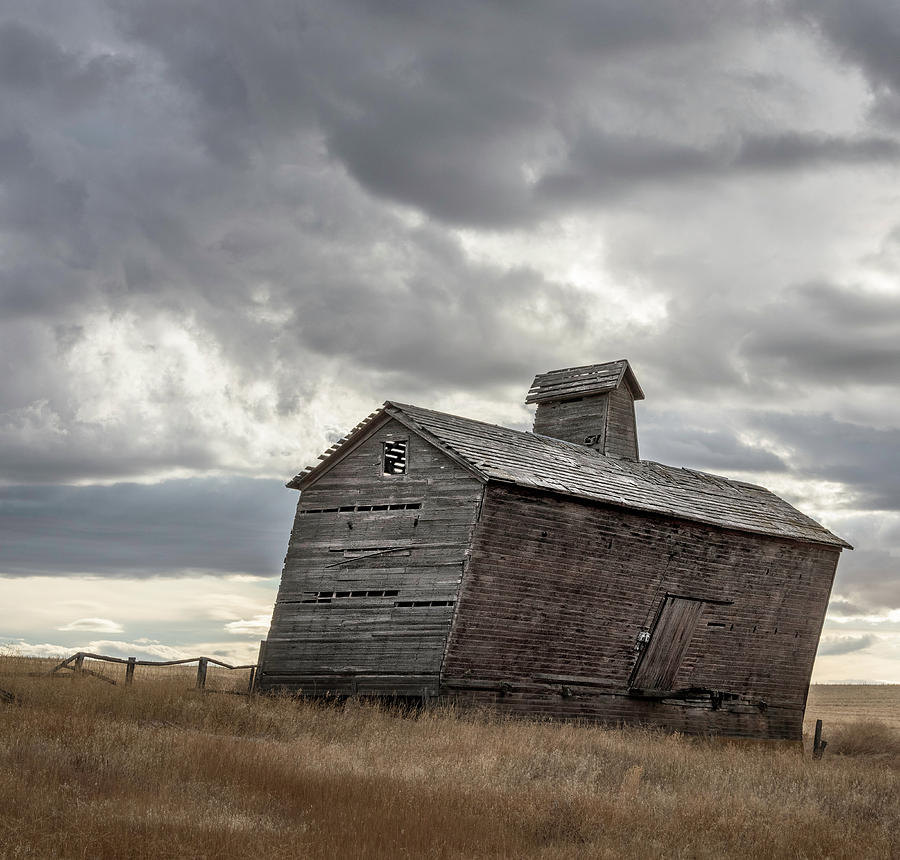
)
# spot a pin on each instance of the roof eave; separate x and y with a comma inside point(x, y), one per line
point(836, 543)
point(339, 450)
point(395, 411)
point(631, 381)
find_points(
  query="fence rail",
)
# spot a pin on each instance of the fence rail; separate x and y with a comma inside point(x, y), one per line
point(76, 664)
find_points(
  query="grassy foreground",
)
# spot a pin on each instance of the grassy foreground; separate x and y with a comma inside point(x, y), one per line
point(89, 770)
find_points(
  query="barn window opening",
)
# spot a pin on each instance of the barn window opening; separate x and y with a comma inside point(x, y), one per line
point(394, 460)
point(719, 624)
point(349, 509)
point(328, 596)
point(408, 603)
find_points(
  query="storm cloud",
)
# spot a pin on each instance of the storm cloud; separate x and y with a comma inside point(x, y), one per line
point(833, 645)
point(230, 231)
point(193, 526)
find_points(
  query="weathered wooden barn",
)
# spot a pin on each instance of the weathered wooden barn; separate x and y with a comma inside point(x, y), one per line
point(549, 573)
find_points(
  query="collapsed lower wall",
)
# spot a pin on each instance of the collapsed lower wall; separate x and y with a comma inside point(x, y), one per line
point(557, 591)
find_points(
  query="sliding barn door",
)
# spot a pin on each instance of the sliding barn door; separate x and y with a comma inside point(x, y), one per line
point(668, 644)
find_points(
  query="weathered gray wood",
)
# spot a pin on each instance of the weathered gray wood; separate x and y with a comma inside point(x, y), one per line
point(583, 422)
point(588, 379)
point(129, 671)
point(201, 673)
point(515, 570)
point(670, 638)
point(556, 466)
point(63, 665)
point(557, 590)
point(368, 587)
point(818, 744)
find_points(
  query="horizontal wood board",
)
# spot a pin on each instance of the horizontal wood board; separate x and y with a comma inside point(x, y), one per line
point(367, 596)
point(574, 421)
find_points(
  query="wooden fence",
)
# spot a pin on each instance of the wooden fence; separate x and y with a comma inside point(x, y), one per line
point(76, 664)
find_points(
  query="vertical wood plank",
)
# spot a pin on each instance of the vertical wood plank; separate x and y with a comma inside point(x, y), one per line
point(668, 644)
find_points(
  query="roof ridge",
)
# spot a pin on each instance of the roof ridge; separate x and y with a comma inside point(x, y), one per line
point(544, 463)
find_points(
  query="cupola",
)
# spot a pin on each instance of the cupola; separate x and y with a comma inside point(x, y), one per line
point(591, 405)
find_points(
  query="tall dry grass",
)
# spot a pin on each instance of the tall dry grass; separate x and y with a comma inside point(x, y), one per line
point(90, 770)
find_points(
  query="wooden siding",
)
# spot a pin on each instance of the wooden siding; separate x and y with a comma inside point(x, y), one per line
point(621, 428)
point(581, 421)
point(557, 591)
point(670, 638)
point(368, 592)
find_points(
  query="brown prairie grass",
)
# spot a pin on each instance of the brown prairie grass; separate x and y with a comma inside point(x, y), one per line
point(90, 770)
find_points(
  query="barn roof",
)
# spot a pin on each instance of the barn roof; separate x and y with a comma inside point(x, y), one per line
point(573, 382)
point(495, 453)
point(545, 463)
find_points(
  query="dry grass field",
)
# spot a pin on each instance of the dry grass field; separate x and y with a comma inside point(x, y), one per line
point(91, 770)
point(838, 704)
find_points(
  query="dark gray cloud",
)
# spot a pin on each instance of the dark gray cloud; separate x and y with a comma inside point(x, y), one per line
point(845, 608)
point(233, 525)
point(472, 115)
point(224, 226)
point(600, 166)
point(863, 33)
point(667, 438)
point(828, 335)
point(864, 460)
point(869, 577)
point(35, 65)
point(833, 645)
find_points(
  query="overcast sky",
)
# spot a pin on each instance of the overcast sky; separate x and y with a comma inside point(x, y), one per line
point(229, 230)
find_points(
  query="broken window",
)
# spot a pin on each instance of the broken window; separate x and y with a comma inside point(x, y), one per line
point(349, 509)
point(394, 460)
point(406, 603)
point(328, 596)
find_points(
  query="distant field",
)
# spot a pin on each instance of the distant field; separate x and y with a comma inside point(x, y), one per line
point(92, 770)
point(836, 704)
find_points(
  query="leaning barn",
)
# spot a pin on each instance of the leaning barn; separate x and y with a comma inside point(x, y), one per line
point(549, 573)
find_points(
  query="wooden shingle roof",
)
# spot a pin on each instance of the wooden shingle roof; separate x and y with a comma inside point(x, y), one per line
point(589, 379)
point(497, 453)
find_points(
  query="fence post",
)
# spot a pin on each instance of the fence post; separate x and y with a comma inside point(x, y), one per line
point(201, 673)
point(79, 663)
point(818, 744)
point(129, 671)
point(252, 680)
point(255, 673)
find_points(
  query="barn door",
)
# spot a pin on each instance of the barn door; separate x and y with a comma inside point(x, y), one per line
point(668, 644)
